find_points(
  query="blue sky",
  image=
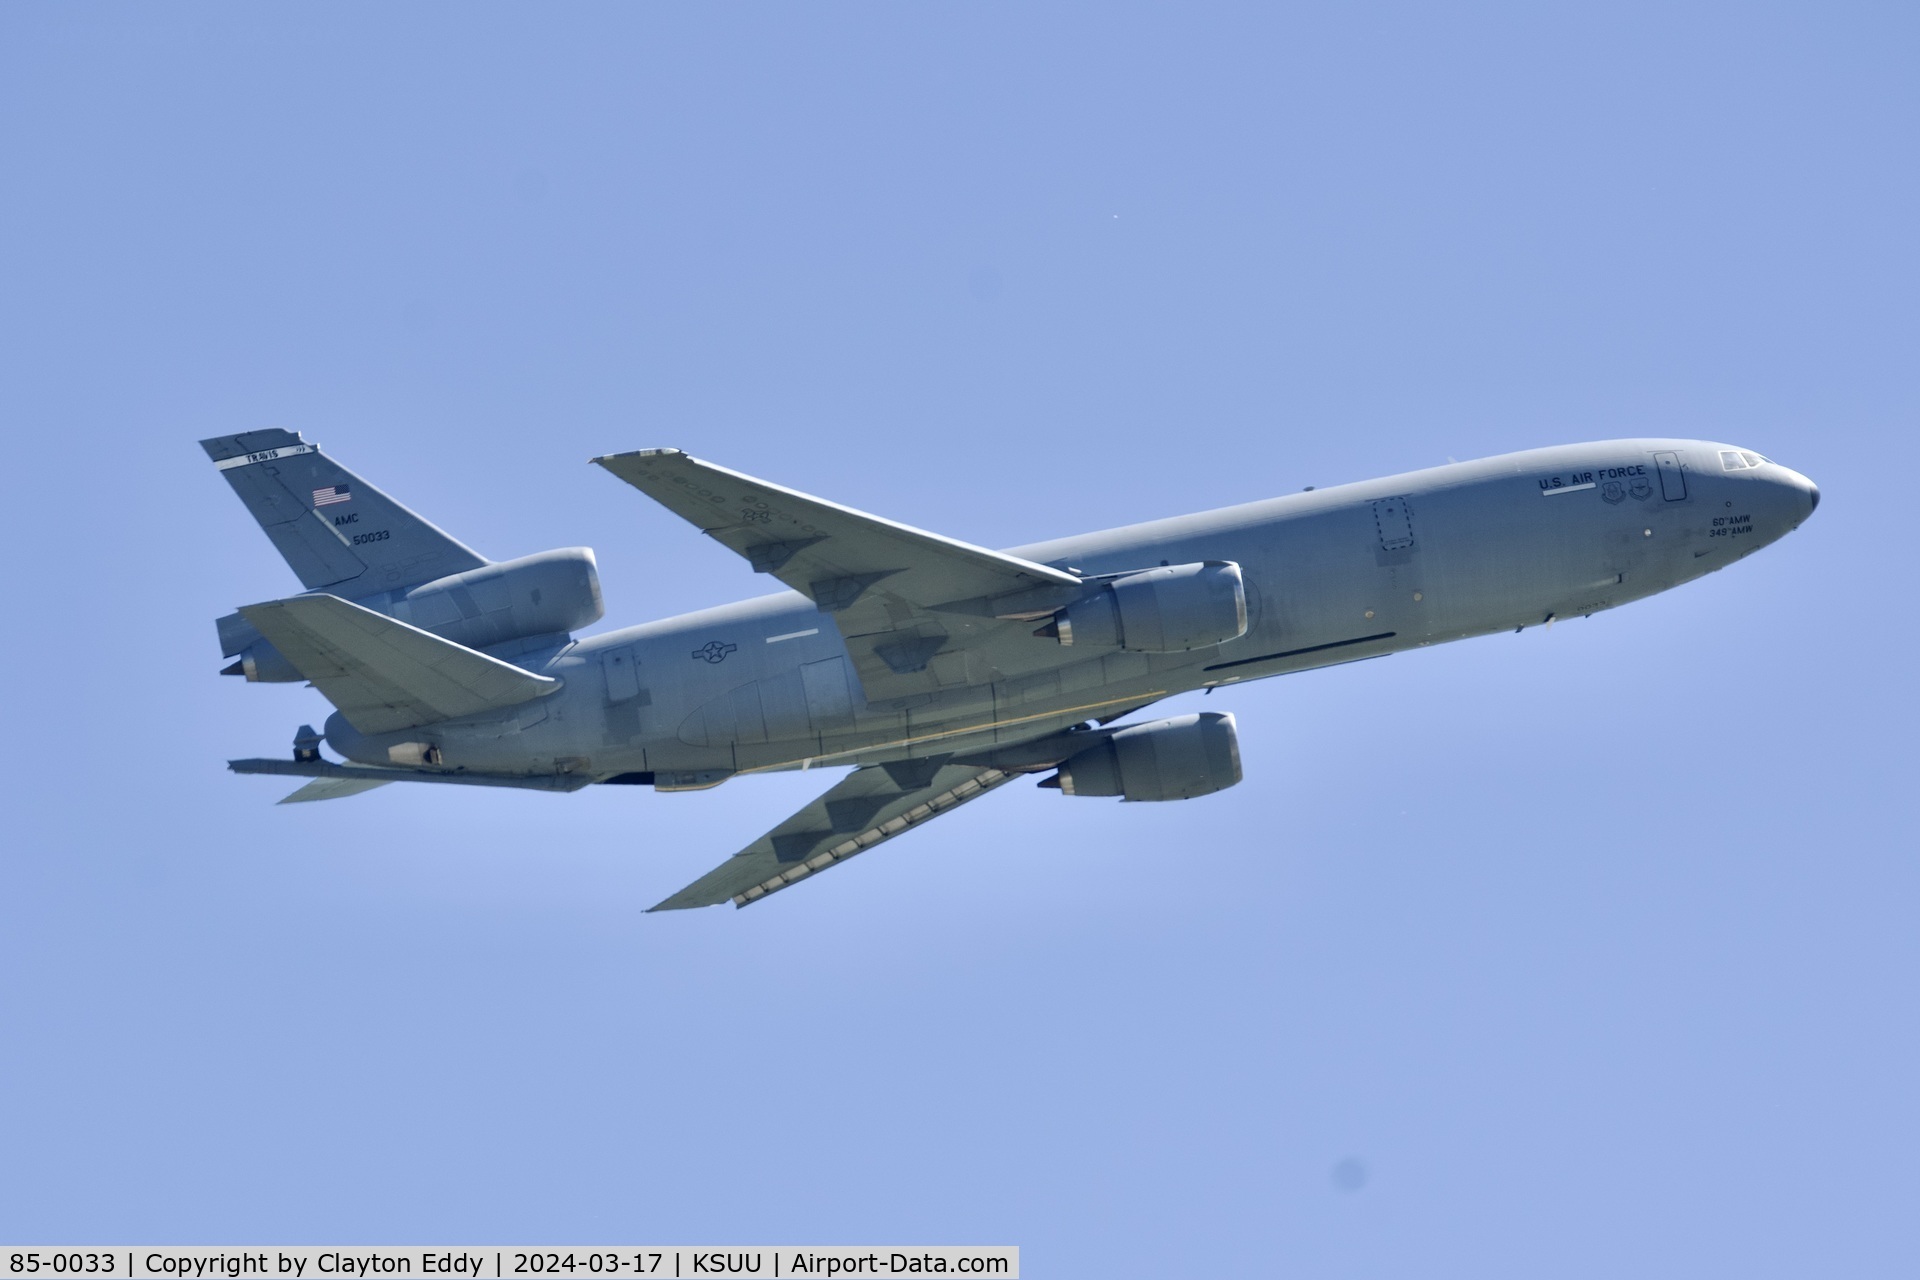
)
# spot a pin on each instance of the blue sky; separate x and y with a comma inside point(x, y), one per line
point(1593, 946)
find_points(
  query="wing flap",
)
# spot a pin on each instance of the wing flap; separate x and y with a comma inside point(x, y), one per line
point(868, 807)
point(384, 675)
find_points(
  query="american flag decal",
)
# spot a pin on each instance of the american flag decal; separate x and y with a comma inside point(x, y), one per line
point(332, 494)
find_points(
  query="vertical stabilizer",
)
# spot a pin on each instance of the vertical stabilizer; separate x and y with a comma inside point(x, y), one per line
point(335, 530)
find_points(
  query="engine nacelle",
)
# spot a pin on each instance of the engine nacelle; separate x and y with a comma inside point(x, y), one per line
point(261, 663)
point(551, 593)
point(1166, 610)
point(1177, 759)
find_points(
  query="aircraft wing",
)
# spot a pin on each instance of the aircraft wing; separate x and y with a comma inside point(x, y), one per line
point(869, 806)
point(383, 674)
point(919, 611)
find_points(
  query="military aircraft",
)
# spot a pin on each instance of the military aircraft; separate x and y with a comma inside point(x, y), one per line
point(939, 670)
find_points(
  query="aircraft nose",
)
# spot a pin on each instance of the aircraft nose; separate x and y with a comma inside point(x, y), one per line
point(1807, 488)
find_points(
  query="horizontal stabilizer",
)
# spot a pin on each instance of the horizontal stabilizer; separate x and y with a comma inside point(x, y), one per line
point(383, 674)
point(363, 777)
point(867, 807)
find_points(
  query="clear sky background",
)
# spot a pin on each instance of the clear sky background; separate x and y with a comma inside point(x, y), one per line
point(1587, 952)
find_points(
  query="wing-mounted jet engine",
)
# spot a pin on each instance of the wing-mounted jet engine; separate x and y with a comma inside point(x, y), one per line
point(1176, 759)
point(1171, 609)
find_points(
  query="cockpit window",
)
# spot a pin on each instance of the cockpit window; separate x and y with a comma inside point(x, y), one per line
point(1753, 459)
point(1739, 459)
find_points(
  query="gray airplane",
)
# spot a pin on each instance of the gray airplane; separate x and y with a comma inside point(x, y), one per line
point(937, 669)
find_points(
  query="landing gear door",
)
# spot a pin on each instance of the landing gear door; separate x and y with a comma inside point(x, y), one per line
point(1673, 477)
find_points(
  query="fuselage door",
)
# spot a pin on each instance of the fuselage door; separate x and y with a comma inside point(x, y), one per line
point(1394, 520)
point(829, 697)
point(1673, 478)
point(623, 676)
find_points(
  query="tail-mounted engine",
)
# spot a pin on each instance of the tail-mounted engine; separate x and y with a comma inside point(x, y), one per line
point(549, 594)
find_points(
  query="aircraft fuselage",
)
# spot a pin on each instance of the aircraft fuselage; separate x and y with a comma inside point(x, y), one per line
point(1332, 575)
